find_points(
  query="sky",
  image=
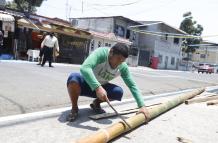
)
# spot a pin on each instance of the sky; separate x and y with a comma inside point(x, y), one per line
point(205, 12)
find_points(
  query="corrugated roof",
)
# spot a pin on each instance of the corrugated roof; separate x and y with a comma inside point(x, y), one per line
point(6, 17)
point(110, 36)
point(147, 23)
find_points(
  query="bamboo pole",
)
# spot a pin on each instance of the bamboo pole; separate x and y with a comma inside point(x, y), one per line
point(113, 131)
point(202, 99)
point(214, 102)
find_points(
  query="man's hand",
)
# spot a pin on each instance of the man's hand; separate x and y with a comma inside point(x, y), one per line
point(101, 93)
point(144, 110)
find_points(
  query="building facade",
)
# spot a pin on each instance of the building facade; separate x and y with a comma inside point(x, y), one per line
point(113, 29)
point(207, 52)
point(158, 45)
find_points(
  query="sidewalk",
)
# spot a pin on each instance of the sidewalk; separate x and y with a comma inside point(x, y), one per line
point(195, 122)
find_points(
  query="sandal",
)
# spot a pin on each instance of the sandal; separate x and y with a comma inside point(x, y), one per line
point(97, 110)
point(72, 116)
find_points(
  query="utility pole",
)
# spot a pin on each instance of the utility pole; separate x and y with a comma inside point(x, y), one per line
point(66, 9)
point(82, 6)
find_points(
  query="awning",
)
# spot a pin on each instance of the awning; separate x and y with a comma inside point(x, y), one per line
point(6, 17)
point(52, 28)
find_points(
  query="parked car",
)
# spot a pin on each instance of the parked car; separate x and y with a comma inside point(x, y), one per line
point(215, 68)
point(207, 68)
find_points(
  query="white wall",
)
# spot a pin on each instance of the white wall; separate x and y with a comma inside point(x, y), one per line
point(103, 41)
point(168, 51)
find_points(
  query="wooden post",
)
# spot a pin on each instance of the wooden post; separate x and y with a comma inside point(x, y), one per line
point(113, 131)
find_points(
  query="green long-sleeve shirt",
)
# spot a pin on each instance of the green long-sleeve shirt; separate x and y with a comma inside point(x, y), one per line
point(97, 71)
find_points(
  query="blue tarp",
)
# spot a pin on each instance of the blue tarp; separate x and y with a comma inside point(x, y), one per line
point(6, 57)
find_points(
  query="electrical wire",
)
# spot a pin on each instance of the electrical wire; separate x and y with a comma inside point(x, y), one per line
point(171, 35)
point(113, 5)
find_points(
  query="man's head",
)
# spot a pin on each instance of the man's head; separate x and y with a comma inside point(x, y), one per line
point(118, 54)
point(51, 34)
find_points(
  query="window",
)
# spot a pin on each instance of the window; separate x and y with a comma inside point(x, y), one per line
point(172, 60)
point(127, 34)
point(92, 45)
point(99, 44)
point(166, 36)
point(202, 56)
point(133, 51)
point(74, 22)
point(160, 58)
point(120, 30)
point(107, 45)
point(176, 40)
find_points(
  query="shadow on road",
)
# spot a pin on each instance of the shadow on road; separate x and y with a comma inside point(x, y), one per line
point(80, 122)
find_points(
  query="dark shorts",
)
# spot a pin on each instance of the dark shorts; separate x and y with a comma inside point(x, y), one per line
point(114, 92)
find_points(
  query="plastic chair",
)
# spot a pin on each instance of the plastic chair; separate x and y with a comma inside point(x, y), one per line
point(33, 55)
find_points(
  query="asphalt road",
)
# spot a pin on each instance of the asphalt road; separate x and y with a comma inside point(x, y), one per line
point(26, 87)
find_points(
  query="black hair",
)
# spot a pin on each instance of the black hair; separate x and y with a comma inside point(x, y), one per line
point(51, 34)
point(120, 49)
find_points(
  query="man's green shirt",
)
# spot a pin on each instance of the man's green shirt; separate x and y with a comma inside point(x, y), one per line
point(97, 71)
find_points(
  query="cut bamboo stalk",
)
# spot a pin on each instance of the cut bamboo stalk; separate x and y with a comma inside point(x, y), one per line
point(183, 140)
point(113, 131)
point(214, 102)
point(202, 99)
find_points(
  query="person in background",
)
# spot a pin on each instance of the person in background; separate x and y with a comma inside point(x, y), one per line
point(100, 67)
point(41, 52)
point(49, 44)
point(1, 41)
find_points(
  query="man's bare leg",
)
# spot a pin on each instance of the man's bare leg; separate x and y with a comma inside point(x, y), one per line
point(74, 91)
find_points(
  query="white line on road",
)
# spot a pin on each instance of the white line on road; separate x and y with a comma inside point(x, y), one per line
point(22, 118)
point(173, 76)
point(148, 75)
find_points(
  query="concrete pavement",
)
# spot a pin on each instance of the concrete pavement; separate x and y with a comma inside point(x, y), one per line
point(195, 122)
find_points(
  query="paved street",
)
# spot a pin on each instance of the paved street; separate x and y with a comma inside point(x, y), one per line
point(26, 87)
point(34, 106)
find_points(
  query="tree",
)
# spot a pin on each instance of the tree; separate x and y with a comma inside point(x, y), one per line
point(191, 27)
point(25, 6)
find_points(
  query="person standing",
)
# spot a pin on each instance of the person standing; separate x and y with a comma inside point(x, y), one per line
point(49, 44)
point(1, 41)
point(41, 52)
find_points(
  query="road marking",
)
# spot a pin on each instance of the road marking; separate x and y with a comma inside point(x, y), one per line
point(147, 75)
point(173, 76)
point(22, 118)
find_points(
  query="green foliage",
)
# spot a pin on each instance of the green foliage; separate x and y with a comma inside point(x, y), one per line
point(24, 5)
point(191, 27)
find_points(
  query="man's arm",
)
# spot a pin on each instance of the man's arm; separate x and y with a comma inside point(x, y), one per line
point(56, 45)
point(97, 57)
point(127, 78)
point(43, 42)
